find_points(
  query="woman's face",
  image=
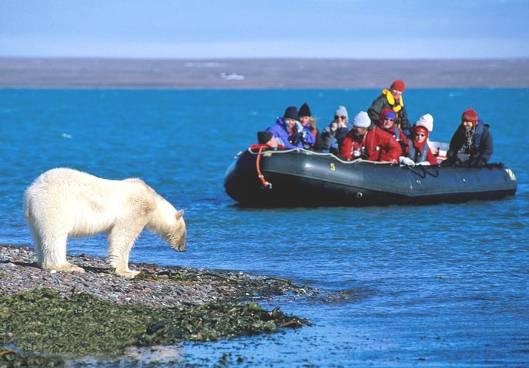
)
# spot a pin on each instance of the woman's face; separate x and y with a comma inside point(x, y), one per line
point(304, 120)
point(420, 136)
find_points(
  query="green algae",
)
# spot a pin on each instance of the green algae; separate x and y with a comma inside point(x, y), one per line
point(43, 321)
point(12, 359)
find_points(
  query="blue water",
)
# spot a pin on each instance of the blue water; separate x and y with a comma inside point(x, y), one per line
point(432, 286)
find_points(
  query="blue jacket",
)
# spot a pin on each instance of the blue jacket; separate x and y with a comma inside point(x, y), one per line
point(302, 138)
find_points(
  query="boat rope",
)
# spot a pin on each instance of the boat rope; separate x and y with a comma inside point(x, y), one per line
point(260, 147)
point(254, 147)
point(424, 170)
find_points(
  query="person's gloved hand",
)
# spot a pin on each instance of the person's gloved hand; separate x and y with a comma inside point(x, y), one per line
point(299, 127)
point(424, 163)
point(406, 161)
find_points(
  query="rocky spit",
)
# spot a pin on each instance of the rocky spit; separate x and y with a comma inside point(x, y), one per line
point(58, 319)
point(156, 286)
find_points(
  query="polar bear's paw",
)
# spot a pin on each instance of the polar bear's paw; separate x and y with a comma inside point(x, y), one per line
point(129, 274)
point(68, 267)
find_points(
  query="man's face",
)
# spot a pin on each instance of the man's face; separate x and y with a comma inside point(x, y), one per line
point(396, 94)
point(468, 125)
point(290, 123)
point(360, 131)
point(388, 123)
point(340, 120)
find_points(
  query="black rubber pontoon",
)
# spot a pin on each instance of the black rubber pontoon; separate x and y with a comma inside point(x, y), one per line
point(305, 178)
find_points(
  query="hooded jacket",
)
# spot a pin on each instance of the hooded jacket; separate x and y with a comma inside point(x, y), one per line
point(375, 145)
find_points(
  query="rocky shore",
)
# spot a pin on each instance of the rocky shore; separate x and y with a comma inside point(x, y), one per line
point(98, 313)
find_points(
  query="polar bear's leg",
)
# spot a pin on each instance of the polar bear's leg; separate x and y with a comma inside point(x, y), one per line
point(37, 244)
point(53, 251)
point(120, 242)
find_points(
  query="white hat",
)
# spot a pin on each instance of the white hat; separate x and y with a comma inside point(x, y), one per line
point(341, 111)
point(425, 121)
point(362, 120)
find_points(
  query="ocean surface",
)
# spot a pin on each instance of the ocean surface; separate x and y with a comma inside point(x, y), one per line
point(428, 286)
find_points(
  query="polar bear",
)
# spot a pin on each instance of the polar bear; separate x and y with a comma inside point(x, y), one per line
point(64, 202)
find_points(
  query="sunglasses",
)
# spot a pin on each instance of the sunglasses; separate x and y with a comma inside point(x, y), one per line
point(340, 117)
point(388, 119)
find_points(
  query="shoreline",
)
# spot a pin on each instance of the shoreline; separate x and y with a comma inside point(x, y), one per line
point(41, 73)
point(56, 317)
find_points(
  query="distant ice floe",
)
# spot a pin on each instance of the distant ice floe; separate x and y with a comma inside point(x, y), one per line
point(202, 64)
point(66, 135)
point(232, 76)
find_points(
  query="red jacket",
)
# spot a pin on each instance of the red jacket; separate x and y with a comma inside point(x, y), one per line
point(417, 150)
point(375, 145)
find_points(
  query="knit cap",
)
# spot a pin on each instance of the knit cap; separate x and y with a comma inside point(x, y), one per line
point(304, 110)
point(470, 115)
point(398, 85)
point(426, 121)
point(362, 120)
point(264, 137)
point(291, 112)
point(387, 113)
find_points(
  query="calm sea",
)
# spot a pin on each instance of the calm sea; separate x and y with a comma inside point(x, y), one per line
point(440, 285)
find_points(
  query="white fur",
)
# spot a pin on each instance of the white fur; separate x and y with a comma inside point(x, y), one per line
point(65, 202)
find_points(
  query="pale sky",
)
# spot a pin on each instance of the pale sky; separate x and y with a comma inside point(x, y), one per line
point(265, 28)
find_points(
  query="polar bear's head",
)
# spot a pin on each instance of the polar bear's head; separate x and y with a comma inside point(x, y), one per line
point(177, 233)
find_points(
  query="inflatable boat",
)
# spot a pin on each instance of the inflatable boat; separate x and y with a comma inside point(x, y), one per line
point(277, 178)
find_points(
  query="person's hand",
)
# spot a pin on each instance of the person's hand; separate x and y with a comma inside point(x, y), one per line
point(406, 161)
point(299, 127)
point(334, 126)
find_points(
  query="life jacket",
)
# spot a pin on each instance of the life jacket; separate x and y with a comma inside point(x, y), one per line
point(419, 156)
point(391, 100)
point(478, 133)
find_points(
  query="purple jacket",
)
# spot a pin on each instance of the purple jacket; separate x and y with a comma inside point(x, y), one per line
point(297, 140)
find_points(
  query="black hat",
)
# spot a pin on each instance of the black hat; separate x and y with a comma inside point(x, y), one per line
point(291, 113)
point(263, 137)
point(304, 110)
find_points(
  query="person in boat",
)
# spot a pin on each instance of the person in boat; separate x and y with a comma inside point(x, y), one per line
point(309, 123)
point(471, 144)
point(267, 138)
point(369, 142)
point(387, 123)
point(391, 98)
point(420, 151)
point(288, 131)
point(333, 135)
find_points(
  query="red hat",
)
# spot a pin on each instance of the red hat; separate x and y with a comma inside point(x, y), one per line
point(398, 85)
point(470, 115)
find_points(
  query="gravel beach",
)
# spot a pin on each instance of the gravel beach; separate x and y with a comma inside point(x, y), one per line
point(156, 286)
